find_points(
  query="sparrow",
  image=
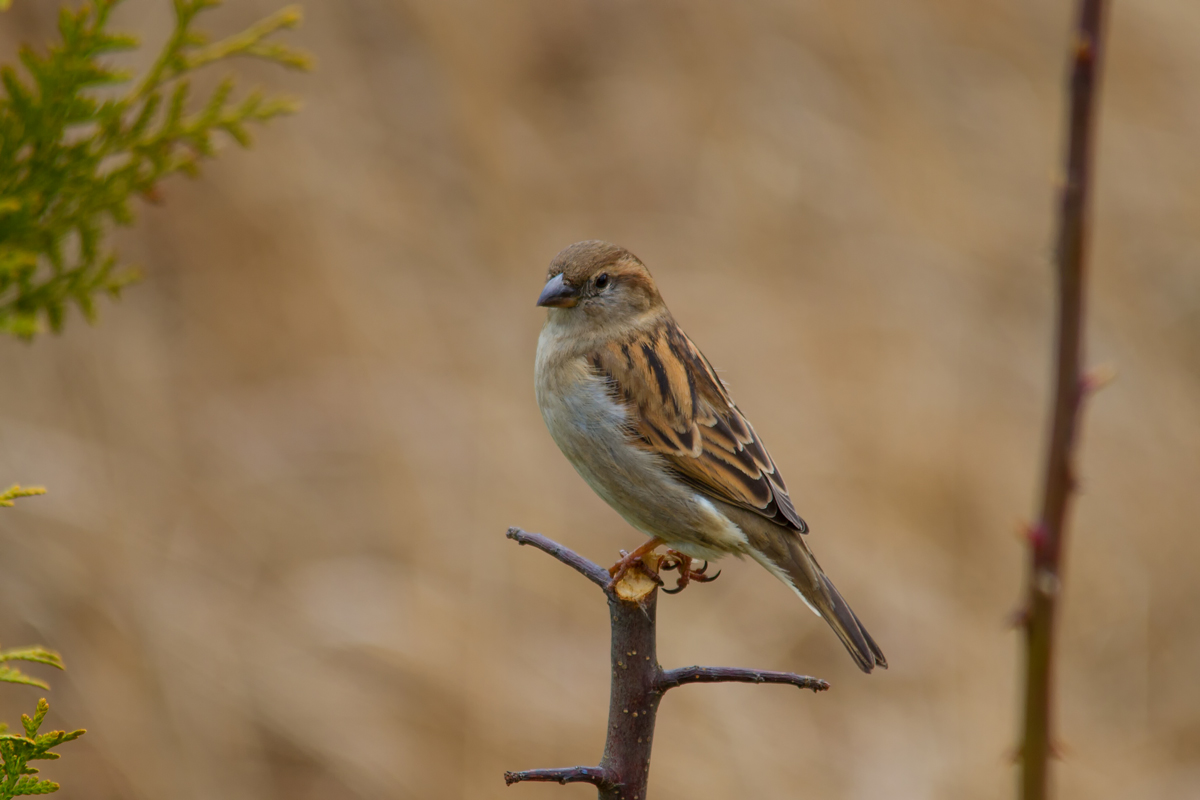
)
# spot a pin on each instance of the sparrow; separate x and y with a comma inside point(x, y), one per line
point(642, 416)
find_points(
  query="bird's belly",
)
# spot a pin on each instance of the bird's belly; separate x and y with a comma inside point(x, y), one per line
point(591, 429)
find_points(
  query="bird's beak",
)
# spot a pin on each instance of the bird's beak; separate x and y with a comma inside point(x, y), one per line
point(557, 294)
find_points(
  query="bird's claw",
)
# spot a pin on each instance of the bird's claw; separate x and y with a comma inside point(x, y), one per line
point(629, 560)
point(676, 560)
point(673, 560)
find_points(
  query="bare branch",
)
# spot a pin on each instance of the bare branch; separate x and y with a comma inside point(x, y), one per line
point(638, 681)
point(678, 677)
point(590, 570)
point(1046, 537)
point(564, 775)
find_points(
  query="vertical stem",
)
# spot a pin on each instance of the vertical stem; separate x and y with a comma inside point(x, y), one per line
point(633, 700)
point(1047, 536)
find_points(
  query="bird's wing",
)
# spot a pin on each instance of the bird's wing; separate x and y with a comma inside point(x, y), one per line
point(679, 409)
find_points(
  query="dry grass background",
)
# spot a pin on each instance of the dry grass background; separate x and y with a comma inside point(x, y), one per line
point(281, 468)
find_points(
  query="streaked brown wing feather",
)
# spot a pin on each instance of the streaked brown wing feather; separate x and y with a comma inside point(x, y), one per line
point(683, 413)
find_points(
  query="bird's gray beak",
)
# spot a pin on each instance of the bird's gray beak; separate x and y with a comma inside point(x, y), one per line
point(558, 294)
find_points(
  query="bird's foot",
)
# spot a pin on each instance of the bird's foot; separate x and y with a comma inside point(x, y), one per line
point(629, 560)
point(677, 560)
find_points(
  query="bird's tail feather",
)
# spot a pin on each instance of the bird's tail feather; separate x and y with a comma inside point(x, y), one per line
point(851, 631)
point(790, 560)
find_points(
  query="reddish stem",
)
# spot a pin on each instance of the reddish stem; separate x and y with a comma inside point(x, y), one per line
point(1046, 551)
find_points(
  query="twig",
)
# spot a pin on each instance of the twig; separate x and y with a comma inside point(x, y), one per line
point(638, 681)
point(1046, 538)
point(678, 677)
point(564, 775)
point(593, 572)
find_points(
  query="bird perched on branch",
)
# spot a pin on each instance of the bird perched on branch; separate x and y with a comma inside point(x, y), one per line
point(642, 416)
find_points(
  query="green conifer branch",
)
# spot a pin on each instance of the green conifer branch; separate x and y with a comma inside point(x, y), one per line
point(16, 490)
point(71, 161)
point(17, 778)
point(36, 654)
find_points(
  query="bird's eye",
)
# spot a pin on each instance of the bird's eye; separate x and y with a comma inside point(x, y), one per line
point(602, 280)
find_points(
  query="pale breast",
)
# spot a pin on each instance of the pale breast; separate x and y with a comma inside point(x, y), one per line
point(589, 426)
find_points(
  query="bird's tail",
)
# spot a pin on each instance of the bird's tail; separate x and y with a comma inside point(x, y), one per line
point(787, 556)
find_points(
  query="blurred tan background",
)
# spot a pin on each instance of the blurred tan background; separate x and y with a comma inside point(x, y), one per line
point(282, 467)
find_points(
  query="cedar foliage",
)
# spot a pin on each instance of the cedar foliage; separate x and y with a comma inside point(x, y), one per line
point(17, 778)
point(79, 139)
point(71, 158)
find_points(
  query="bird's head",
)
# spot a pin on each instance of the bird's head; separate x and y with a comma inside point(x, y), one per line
point(599, 280)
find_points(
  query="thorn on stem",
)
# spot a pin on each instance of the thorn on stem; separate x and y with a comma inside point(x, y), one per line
point(1035, 535)
point(1019, 618)
point(1097, 378)
point(1084, 49)
point(1046, 583)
